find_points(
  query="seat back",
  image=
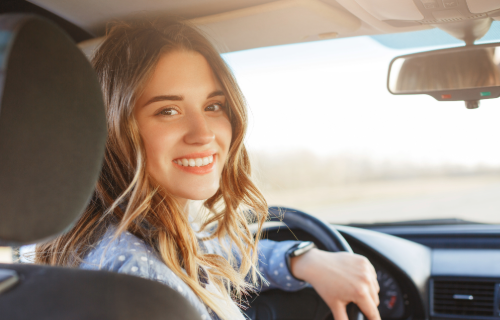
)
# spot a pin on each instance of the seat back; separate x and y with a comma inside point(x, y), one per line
point(52, 138)
point(51, 293)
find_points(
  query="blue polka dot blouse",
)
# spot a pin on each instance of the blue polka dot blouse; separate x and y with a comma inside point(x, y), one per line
point(128, 254)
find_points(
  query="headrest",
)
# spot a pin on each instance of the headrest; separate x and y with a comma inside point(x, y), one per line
point(52, 130)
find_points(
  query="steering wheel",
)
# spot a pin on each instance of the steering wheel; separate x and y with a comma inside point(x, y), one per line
point(269, 304)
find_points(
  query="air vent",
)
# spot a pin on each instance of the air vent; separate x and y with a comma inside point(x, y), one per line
point(471, 298)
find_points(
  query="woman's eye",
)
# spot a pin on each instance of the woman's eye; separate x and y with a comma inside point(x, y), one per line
point(168, 112)
point(214, 107)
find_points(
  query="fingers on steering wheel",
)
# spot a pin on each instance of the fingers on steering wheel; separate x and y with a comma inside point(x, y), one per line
point(339, 311)
point(374, 292)
point(375, 287)
point(369, 309)
point(374, 273)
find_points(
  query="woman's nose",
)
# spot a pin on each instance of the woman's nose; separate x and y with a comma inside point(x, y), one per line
point(199, 132)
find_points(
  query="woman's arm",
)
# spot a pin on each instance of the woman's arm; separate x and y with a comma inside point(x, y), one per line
point(129, 255)
point(338, 277)
point(272, 264)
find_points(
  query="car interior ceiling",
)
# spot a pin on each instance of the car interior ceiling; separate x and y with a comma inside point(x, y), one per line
point(48, 168)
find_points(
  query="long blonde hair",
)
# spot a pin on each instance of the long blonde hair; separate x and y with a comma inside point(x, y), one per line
point(126, 194)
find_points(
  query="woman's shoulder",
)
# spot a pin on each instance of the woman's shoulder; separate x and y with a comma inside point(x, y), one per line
point(128, 254)
point(124, 253)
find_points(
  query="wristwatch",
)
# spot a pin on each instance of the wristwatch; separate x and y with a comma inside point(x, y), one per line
point(298, 250)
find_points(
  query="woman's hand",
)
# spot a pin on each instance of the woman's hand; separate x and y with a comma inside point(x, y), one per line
point(340, 278)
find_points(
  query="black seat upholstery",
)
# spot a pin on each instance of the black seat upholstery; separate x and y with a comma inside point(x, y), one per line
point(52, 136)
point(49, 293)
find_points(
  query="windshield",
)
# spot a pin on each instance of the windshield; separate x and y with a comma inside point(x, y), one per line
point(326, 136)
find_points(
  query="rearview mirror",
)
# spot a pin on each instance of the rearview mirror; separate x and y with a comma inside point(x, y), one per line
point(467, 74)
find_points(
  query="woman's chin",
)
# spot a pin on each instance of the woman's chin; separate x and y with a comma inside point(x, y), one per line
point(188, 186)
point(195, 193)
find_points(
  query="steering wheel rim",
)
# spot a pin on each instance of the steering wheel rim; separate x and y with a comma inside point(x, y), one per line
point(329, 237)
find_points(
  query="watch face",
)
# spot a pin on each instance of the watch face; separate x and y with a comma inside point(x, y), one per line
point(304, 244)
point(303, 248)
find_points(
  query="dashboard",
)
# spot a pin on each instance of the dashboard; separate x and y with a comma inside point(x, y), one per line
point(416, 281)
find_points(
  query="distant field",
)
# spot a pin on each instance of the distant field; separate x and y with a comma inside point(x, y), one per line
point(474, 198)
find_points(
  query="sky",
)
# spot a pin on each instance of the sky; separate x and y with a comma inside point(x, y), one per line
point(330, 98)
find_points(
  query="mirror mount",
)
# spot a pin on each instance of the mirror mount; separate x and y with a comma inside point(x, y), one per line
point(469, 31)
point(472, 104)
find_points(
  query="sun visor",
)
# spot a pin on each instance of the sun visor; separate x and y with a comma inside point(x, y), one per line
point(52, 130)
point(276, 23)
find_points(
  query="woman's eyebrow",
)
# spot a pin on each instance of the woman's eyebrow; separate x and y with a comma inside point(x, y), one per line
point(164, 98)
point(180, 98)
point(215, 94)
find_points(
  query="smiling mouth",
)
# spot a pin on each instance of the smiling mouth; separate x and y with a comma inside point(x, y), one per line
point(195, 162)
point(198, 166)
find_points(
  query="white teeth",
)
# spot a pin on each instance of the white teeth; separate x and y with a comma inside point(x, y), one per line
point(197, 162)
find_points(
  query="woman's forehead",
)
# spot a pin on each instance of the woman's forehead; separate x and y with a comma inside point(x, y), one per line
point(182, 72)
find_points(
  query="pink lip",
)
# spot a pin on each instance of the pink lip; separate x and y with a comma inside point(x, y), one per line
point(204, 154)
point(198, 170)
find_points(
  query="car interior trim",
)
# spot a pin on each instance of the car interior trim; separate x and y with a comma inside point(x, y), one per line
point(466, 262)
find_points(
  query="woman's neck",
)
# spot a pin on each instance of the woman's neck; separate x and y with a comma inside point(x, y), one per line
point(184, 205)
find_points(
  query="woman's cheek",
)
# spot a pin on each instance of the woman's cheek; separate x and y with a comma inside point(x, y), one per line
point(224, 134)
point(157, 144)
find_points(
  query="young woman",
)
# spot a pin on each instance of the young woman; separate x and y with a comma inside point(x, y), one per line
point(176, 122)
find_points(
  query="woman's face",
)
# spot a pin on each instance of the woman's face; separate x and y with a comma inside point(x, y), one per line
point(184, 127)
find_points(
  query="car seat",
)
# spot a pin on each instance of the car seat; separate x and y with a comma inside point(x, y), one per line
point(52, 138)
